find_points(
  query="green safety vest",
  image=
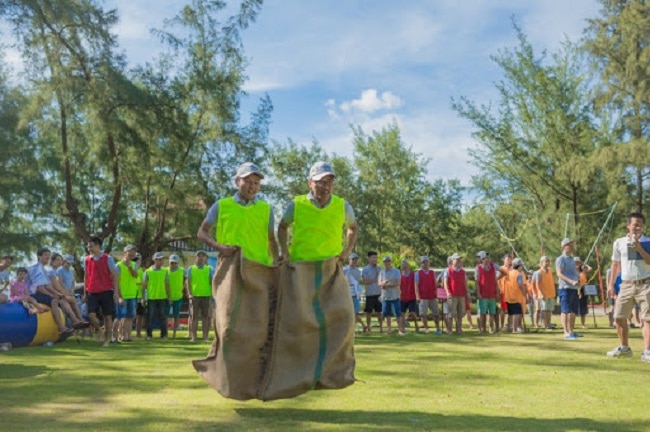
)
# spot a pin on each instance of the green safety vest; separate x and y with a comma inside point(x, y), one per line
point(200, 281)
point(156, 284)
point(128, 287)
point(246, 227)
point(317, 232)
point(176, 283)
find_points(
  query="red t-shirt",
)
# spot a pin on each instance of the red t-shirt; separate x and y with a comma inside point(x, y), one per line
point(98, 275)
point(487, 282)
point(457, 282)
point(427, 284)
point(407, 287)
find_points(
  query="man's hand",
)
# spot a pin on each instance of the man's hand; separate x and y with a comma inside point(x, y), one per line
point(227, 250)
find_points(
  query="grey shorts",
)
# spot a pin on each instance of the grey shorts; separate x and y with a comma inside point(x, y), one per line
point(428, 305)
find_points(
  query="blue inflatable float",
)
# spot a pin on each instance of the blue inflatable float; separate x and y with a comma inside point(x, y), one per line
point(22, 329)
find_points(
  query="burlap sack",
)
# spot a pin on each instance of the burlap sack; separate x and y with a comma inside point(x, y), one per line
point(280, 332)
point(313, 346)
point(242, 290)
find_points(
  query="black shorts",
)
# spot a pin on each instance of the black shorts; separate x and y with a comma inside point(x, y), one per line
point(410, 306)
point(43, 299)
point(373, 304)
point(103, 301)
point(515, 309)
point(140, 310)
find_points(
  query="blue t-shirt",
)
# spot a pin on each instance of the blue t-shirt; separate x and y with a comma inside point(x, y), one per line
point(567, 265)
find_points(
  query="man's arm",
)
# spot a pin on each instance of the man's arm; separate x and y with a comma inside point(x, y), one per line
point(560, 275)
point(205, 235)
point(350, 239)
point(117, 293)
point(168, 291)
point(613, 274)
point(144, 288)
point(273, 247)
point(282, 239)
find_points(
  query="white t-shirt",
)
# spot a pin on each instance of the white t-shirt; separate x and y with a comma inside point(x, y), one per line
point(633, 267)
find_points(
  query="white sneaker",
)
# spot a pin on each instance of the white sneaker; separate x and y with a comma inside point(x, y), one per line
point(645, 356)
point(620, 351)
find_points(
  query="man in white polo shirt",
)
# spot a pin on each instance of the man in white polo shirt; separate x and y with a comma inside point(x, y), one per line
point(631, 257)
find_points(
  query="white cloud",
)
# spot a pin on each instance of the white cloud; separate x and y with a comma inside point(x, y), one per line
point(370, 101)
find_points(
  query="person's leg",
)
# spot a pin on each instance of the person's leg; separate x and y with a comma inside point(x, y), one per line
point(206, 321)
point(108, 324)
point(459, 315)
point(162, 318)
point(151, 312)
point(423, 308)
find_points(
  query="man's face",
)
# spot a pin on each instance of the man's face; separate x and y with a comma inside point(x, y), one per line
point(130, 254)
point(388, 265)
point(56, 262)
point(457, 262)
point(173, 265)
point(425, 265)
point(485, 261)
point(158, 262)
point(199, 259)
point(568, 248)
point(404, 266)
point(372, 260)
point(45, 258)
point(353, 262)
point(546, 264)
point(92, 247)
point(248, 187)
point(322, 189)
point(6, 262)
point(635, 226)
point(507, 260)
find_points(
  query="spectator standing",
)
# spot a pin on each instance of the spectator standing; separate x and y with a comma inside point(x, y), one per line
point(370, 280)
point(568, 284)
point(631, 259)
point(426, 295)
point(389, 282)
point(156, 286)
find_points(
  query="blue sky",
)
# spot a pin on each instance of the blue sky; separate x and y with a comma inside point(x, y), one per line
point(327, 64)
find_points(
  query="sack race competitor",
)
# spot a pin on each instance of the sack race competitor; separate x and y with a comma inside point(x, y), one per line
point(280, 332)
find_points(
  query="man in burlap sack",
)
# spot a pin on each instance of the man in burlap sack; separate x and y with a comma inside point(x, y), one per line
point(241, 229)
point(314, 327)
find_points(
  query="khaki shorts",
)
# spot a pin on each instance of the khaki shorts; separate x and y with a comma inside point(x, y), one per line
point(428, 305)
point(632, 293)
point(201, 306)
point(456, 307)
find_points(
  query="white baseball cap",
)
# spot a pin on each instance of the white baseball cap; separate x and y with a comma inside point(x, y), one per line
point(320, 169)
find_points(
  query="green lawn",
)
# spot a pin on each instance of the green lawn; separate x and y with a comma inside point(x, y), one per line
point(529, 382)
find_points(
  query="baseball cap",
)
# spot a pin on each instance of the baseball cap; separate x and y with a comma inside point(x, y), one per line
point(387, 258)
point(319, 170)
point(577, 259)
point(566, 241)
point(246, 169)
point(456, 256)
point(158, 255)
point(424, 258)
point(482, 254)
point(517, 262)
point(173, 258)
point(129, 248)
point(353, 256)
point(404, 261)
point(544, 258)
point(201, 252)
point(69, 258)
point(137, 255)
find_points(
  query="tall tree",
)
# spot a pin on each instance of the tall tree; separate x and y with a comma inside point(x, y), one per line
point(536, 151)
point(619, 44)
point(78, 95)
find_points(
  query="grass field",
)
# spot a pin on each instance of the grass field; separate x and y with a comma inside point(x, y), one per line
point(421, 382)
